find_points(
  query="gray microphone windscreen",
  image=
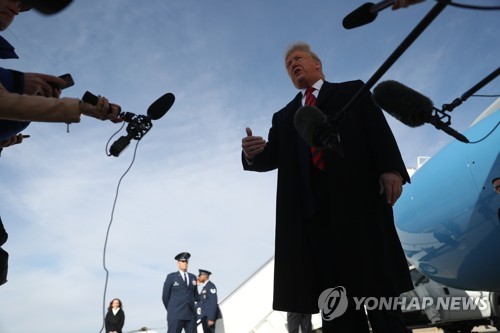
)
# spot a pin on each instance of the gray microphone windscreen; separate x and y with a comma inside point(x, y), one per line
point(403, 103)
point(307, 120)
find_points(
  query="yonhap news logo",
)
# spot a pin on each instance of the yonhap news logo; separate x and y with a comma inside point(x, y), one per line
point(446, 303)
point(333, 303)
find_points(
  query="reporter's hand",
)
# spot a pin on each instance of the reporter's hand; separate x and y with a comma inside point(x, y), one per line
point(43, 85)
point(103, 110)
point(252, 145)
point(404, 3)
point(14, 140)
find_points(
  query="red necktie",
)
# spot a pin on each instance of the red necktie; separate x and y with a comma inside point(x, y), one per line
point(316, 153)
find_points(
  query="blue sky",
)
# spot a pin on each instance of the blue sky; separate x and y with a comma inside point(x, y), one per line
point(223, 60)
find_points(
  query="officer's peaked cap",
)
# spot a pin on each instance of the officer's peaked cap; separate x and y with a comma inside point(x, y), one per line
point(204, 271)
point(182, 256)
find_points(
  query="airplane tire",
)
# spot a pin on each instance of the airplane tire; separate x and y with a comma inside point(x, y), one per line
point(464, 328)
point(495, 308)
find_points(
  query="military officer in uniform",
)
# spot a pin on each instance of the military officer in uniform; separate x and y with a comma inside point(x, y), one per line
point(207, 305)
point(179, 295)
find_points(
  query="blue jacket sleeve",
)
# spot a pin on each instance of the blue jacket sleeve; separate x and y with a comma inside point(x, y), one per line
point(167, 285)
point(12, 80)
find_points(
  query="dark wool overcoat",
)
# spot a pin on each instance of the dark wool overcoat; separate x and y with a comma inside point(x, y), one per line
point(352, 241)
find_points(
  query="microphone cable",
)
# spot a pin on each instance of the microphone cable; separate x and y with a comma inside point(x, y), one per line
point(485, 95)
point(466, 6)
point(487, 135)
point(494, 128)
point(112, 136)
point(109, 228)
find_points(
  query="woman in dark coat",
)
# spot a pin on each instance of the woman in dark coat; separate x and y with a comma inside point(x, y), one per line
point(115, 318)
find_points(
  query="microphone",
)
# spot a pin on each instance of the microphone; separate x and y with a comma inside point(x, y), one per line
point(160, 106)
point(138, 125)
point(315, 129)
point(471, 91)
point(412, 108)
point(365, 14)
point(155, 111)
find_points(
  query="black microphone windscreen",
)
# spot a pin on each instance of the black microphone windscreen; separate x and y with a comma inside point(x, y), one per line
point(403, 103)
point(161, 106)
point(360, 16)
point(307, 120)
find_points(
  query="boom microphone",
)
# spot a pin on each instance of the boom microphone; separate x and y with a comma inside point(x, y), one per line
point(411, 108)
point(405, 104)
point(138, 125)
point(315, 129)
point(155, 111)
point(161, 106)
point(307, 120)
point(365, 14)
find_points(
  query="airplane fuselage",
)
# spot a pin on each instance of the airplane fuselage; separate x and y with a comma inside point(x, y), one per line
point(448, 218)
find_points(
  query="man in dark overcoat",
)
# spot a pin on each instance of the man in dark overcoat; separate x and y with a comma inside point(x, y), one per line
point(334, 223)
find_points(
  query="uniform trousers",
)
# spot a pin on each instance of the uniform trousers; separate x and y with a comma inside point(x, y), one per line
point(176, 326)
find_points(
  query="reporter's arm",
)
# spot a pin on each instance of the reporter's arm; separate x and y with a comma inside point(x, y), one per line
point(48, 109)
point(38, 108)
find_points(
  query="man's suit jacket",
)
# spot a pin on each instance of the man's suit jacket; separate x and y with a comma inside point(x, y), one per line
point(179, 297)
point(334, 229)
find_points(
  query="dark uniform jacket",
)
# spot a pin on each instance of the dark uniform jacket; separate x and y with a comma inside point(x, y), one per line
point(334, 228)
point(207, 303)
point(179, 298)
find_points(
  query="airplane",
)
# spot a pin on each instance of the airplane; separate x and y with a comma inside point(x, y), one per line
point(448, 219)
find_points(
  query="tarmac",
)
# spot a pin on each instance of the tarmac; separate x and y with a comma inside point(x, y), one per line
point(475, 329)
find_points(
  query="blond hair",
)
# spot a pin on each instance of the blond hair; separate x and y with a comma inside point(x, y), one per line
point(301, 46)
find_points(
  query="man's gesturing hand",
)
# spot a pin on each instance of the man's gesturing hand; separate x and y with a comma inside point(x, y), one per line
point(252, 145)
